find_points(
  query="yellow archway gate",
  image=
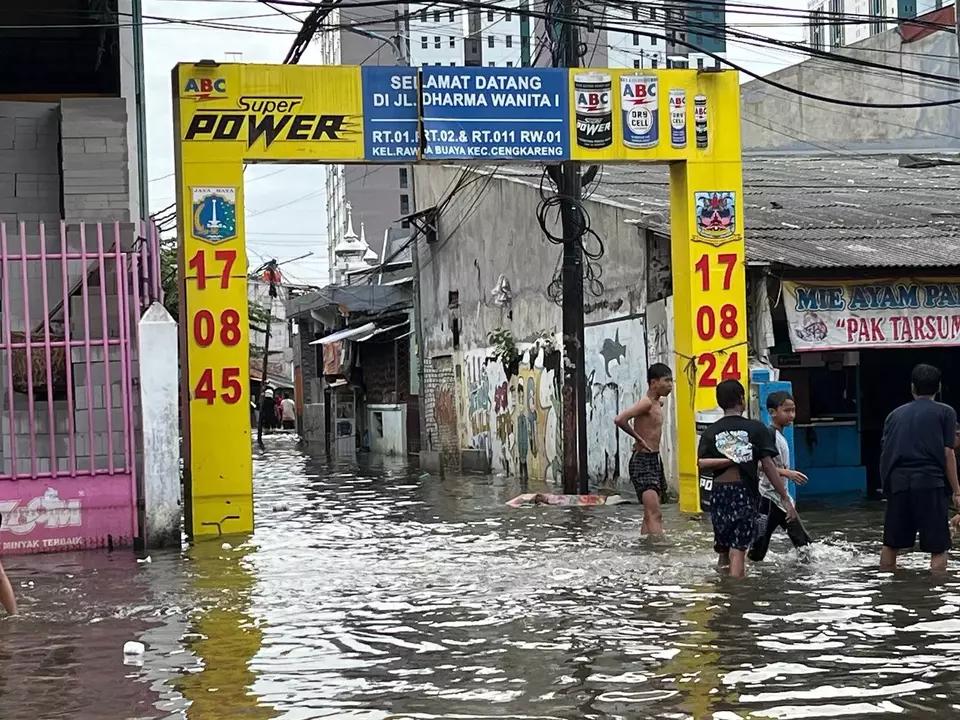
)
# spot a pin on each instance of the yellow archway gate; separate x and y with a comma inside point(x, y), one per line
point(226, 115)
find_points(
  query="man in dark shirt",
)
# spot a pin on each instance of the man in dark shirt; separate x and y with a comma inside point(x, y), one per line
point(918, 469)
point(731, 448)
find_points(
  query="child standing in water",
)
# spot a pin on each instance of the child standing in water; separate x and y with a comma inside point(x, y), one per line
point(770, 509)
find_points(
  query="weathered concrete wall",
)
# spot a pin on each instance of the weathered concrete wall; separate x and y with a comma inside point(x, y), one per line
point(488, 230)
point(29, 164)
point(498, 234)
point(96, 172)
point(774, 119)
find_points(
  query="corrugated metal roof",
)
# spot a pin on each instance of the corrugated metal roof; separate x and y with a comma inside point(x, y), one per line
point(818, 212)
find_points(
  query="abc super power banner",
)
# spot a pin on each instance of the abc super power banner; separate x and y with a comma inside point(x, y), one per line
point(403, 115)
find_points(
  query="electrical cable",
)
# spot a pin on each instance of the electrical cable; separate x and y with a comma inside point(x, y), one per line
point(547, 15)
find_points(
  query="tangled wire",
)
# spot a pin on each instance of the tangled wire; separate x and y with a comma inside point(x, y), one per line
point(589, 246)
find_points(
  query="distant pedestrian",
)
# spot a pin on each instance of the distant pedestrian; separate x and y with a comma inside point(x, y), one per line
point(731, 448)
point(268, 410)
point(918, 471)
point(288, 412)
point(771, 514)
point(643, 421)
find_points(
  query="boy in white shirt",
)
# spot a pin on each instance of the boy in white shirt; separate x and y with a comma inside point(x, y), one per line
point(770, 511)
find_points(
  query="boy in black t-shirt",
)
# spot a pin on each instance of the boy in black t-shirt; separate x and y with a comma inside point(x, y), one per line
point(731, 449)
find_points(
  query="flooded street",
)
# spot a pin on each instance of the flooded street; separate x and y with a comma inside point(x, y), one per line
point(380, 594)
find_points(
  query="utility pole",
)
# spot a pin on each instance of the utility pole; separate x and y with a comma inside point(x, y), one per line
point(271, 268)
point(956, 18)
point(569, 187)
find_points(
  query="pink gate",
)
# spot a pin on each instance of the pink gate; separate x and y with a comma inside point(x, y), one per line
point(70, 417)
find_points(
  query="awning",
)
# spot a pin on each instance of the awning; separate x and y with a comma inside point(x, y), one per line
point(358, 334)
point(383, 330)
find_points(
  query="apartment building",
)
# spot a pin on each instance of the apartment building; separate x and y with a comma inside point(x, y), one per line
point(826, 28)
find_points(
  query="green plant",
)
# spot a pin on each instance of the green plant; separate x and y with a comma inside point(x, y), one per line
point(505, 350)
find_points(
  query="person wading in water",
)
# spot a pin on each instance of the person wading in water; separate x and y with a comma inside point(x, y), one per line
point(644, 423)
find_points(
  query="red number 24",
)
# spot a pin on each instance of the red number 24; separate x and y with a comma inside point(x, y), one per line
point(708, 361)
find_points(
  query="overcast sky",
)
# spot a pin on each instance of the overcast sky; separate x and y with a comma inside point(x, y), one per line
point(285, 205)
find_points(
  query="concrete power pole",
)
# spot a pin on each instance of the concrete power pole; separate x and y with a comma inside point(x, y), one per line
point(568, 181)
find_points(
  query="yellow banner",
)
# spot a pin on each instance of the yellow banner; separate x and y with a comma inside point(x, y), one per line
point(270, 112)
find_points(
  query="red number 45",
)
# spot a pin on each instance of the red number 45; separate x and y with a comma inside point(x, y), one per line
point(229, 382)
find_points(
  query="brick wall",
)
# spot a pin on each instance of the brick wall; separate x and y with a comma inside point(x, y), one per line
point(439, 401)
point(29, 163)
point(96, 182)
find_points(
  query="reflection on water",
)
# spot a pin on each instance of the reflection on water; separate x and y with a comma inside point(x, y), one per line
point(382, 594)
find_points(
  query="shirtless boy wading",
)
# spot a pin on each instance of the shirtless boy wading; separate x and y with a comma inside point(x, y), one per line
point(644, 422)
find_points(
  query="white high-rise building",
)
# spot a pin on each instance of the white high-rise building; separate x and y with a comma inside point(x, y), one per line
point(825, 30)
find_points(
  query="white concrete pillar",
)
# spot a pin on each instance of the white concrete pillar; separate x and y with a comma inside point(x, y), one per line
point(159, 399)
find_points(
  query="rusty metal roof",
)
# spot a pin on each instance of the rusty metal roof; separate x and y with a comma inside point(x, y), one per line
point(842, 210)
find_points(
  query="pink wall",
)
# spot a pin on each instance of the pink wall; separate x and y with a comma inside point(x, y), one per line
point(65, 513)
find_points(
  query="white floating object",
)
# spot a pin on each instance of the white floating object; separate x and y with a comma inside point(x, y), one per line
point(133, 648)
point(147, 559)
point(227, 546)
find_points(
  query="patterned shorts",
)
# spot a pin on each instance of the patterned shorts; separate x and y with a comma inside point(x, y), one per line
point(733, 511)
point(646, 473)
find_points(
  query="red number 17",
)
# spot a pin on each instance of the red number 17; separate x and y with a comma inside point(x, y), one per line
point(199, 263)
point(729, 260)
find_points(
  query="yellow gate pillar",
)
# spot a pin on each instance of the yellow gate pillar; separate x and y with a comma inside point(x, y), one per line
point(709, 282)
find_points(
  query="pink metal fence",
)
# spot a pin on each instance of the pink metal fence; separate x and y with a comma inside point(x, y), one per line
point(71, 301)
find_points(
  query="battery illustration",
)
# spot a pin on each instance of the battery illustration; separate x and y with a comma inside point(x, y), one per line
point(594, 109)
point(640, 111)
point(678, 118)
point(700, 120)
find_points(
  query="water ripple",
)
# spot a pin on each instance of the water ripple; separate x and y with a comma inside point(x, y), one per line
point(382, 594)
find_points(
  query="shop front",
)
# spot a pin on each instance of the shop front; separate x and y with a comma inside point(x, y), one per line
point(848, 346)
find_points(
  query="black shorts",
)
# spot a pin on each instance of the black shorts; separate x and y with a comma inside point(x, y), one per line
point(289, 424)
point(925, 512)
point(646, 473)
point(770, 517)
point(733, 512)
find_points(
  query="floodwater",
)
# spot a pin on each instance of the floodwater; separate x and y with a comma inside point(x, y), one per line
point(379, 594)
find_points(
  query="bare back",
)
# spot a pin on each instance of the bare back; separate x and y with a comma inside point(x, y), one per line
point(649, 426)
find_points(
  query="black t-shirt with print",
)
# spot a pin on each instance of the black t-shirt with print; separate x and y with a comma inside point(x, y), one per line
point(742, 440)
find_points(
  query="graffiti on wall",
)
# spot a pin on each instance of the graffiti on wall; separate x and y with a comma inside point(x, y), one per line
point(616, 366)
point(515, 419)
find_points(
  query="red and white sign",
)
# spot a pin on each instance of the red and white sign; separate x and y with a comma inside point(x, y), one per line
point(848, 315)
